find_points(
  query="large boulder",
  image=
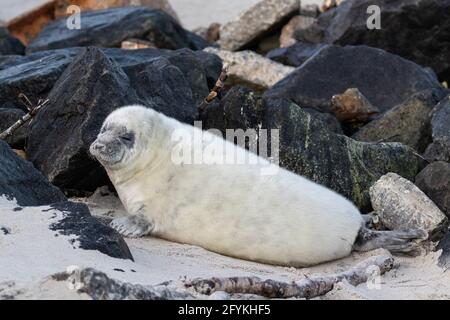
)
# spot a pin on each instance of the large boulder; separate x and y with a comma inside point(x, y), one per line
point(404, 25)
point(385, 79)
point(256, 22)
point(21, 182)
point(8, 44)
point(88, 90)
point(439, 150)
point(434, 181)
point(401, 205)
point(109, 27)
point(408, 123)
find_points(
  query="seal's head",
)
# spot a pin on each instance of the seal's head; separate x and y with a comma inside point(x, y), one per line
point(123, 134)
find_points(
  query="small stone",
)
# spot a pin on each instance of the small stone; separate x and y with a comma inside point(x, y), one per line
point(352, 106)
point(401, 205)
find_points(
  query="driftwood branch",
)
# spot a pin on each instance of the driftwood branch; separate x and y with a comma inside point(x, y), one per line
point(220, 83)
point(32, 111)
point(99, 286)
point(308, 287)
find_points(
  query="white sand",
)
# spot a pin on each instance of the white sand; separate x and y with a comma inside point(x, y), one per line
point(31, 253)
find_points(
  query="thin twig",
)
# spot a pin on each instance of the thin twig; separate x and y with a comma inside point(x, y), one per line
point(308, 288)
point(32, 111)
point(220, 83)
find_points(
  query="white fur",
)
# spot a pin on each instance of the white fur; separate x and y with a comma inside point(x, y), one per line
point(281, 219)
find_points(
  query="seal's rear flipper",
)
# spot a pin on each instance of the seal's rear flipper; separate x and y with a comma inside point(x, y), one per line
point(133, 226)
point(403, 242)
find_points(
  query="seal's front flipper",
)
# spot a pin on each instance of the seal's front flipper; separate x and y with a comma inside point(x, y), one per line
point(403, 242)
point(133, 226)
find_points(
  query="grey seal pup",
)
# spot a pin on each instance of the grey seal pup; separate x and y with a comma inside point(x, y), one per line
point(281, 219)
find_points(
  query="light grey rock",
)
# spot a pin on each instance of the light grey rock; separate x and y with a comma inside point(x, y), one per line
point(400, 205)
point(256, 22)
point(251, 69)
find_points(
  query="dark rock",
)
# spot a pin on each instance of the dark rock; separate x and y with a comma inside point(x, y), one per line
point(160, 84)
point(35, 74)
point(295, 54)
point(408, 123)
point(434, 181)
point(88, 90)
point(444, 245)
point(9, 44)
point(212, 65)
point(385, 79)
point(347, 166)
point(9, 116)
point(332, 124)
point(91, 233)
point(413, 29)
point(21, 181)
point(239, 109)
point(109, 27)
point(439, 150)
point(99, 286)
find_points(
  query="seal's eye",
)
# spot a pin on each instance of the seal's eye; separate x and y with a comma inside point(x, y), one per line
point(127, 138)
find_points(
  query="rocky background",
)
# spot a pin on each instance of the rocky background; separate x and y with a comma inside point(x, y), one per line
point(363, 112)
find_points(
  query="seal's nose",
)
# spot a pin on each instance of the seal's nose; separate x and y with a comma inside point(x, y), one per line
point(99, 146)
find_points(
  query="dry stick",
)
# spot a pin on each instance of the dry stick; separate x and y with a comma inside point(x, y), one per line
point(32, 111)
point(220, 83)
point(308, 288)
